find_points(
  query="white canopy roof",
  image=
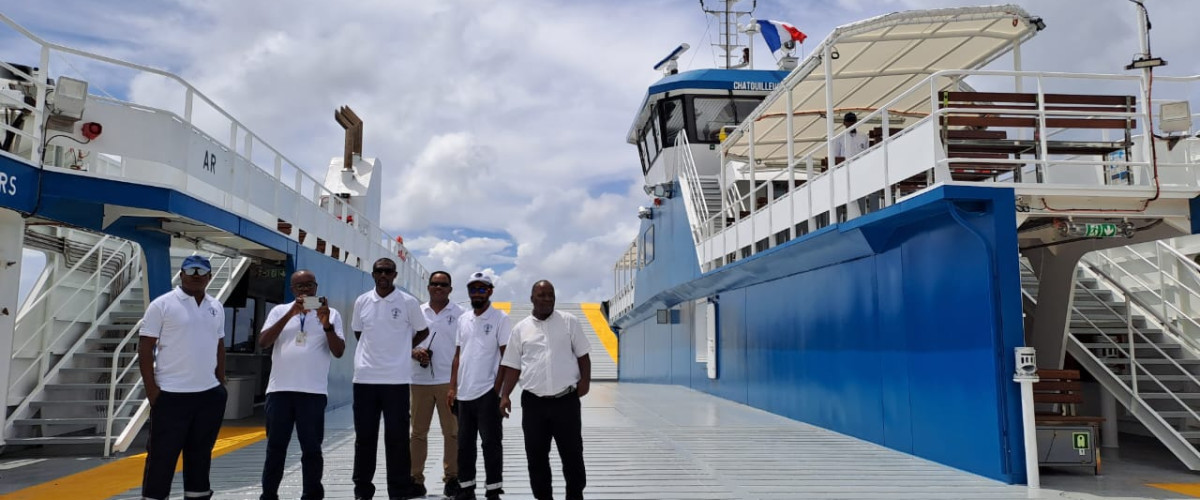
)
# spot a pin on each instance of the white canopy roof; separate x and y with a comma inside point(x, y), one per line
point(877, 60)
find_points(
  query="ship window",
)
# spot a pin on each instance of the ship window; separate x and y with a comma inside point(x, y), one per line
point(671, 111)
point(648, 246)
point(641, 147)
point(713, 113)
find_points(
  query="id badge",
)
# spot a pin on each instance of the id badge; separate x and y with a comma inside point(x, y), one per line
point(301, 338)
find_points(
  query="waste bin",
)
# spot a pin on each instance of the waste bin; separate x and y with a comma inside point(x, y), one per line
point(241, 397)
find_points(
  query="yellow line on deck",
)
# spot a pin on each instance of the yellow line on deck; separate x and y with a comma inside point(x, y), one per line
point(1189, 489)
point(503, 306)
point(117, 477)
point(592, 311)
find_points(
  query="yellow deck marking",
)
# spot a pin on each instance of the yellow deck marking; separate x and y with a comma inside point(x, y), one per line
point(1189, 489)
point(503, 306)
point(592, 311)
point(120, 476)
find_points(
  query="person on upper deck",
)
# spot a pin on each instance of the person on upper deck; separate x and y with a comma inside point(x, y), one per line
point(852, 142)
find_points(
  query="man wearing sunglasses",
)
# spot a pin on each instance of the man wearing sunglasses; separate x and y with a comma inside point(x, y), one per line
point(303, 341)
point(431, 386)
point(482, 335)
point(388, 325)
point(181, 354)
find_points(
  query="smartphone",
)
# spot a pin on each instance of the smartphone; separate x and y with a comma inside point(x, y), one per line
point(312, 303)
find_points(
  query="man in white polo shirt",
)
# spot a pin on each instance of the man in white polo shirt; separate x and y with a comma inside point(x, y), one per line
point(181, 355)
point(550, 355)
point(482, 335)
point(431, 385)
point(303, 341)
point(388, 324)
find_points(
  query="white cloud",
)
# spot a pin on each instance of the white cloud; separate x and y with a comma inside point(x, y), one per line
point(496, 118)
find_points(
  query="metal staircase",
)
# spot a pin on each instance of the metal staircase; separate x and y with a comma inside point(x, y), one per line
point(1117, 334)
point(80, 382)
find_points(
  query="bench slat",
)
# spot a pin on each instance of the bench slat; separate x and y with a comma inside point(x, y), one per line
point(1058, 398)
point(1065, 374)
point(1014, 97)
point(1055, 385)
point(1065, 419)
point(1016, 122)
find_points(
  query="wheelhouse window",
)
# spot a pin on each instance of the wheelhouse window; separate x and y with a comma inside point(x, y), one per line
point(650, 142)
point(713, 113)
point(673, 121)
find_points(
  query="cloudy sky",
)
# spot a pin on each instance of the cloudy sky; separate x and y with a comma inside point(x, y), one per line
point(501, 124)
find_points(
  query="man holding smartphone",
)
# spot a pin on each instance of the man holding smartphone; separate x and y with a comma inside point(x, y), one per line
point(303, 336)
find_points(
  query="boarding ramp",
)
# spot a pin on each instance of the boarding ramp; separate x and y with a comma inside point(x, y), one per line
point(604, 364)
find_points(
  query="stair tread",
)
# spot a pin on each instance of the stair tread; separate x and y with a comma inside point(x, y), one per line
point(65, 421)
point(89, 385)
point(55, 440)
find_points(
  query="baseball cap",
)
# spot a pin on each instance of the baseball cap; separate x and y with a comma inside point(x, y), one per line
point(480, 277)
point(197, 262)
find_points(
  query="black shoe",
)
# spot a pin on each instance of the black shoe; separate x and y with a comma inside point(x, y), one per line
point(417, 490)
point(451, 488)
point(494, 494)
point(468, 494)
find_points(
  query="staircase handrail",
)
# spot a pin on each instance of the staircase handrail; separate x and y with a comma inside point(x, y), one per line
point(112, 383)
point(90, 306)
point(74, 267)
point(1130, 300)
point(1174, 253)
point(23, 405)
point(691, 176)
point(1162, 319)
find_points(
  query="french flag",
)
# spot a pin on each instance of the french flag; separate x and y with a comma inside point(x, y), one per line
point(775, 33)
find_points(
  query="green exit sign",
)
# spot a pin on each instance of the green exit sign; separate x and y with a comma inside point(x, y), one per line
point(1103, 230)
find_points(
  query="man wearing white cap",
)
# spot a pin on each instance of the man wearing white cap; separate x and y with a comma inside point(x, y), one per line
point(185, 381)
point(482, 335)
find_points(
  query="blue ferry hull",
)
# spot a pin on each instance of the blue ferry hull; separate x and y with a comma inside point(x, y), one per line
point(897, 327)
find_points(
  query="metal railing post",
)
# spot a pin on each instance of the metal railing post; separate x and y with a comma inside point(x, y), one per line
point(1026, 376)
point(1132, 344)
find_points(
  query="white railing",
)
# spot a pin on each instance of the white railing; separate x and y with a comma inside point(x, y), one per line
point(1164, 293)
point(128, 256)
point(915, 151)
point(280, 191)
point(691, 186)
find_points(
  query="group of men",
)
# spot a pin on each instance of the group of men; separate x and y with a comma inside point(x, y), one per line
point(411, 360)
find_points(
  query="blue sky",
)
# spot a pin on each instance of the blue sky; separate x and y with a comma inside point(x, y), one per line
point(501, 125)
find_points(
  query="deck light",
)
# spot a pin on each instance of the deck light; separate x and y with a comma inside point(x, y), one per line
point(1175, 117)
point(70, 95)
point(1146, 62)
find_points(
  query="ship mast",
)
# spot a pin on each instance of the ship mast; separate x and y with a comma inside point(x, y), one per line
point(730, 40)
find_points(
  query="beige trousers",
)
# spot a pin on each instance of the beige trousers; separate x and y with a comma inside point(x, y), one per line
point(424, 399)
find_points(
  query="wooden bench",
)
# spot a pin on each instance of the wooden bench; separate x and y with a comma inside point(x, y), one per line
point(1056, 397)
point(967, 134)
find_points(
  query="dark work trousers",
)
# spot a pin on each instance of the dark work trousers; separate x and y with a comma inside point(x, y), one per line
point(186, 422)
point(306, 412)
point(390, 400)
point(557, 418)
point(481, 416)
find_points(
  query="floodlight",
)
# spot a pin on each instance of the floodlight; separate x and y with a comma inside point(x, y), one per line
point(1175, 117)
point(69, 97)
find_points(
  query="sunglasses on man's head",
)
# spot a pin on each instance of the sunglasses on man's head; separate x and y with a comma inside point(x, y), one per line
point(193, 271)
point(440, 285)
point(384, 270)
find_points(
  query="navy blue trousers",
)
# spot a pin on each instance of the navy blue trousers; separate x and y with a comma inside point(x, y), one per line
point(306, 413)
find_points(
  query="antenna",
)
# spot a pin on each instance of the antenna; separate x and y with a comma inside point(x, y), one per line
point(670, 65)
point(730, 42)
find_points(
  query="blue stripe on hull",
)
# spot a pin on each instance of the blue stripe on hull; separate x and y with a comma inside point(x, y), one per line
point(897, 328)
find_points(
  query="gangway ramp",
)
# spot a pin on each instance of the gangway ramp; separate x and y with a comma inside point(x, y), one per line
point(604, 343)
